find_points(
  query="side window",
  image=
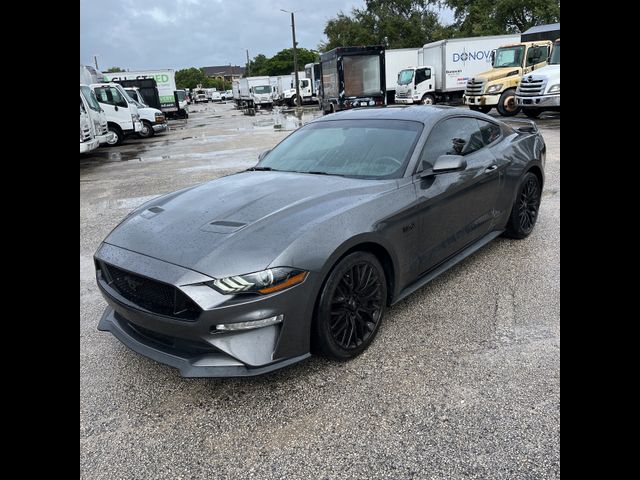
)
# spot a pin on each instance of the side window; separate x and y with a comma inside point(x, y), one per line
point(537, 54)
point(489, 132)
point(454, 136)
point(118, 99)
point(305, 83)
point(104, 95)
point(422, 75)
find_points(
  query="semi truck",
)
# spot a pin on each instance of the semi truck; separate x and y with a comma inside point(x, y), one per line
point(255, 92)
point(540, 91)
point(165, 84)
point(395, 60)
point(352, 77)
point(444, 68)
point(497, 87)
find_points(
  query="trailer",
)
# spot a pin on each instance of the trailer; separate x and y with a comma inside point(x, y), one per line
point(352, 77)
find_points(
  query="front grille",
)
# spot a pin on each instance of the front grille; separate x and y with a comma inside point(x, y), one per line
point(189, 347)
point(86, 134)
point(403, 94)
point(151, 295)
point(105, 129)
point(531, 87)
point(474, 87)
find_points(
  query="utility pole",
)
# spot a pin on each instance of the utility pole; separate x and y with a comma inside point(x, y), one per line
point(95, 60)
point(295, 59)
point(248, 65)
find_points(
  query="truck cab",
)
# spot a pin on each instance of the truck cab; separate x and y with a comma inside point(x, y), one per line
point(306, 92)
point(497, 87)
point(415, 85)
point(200, 95)
point(88, 141)
point(97, 117)
point(153, 120)
point(122, 114)
point(540, 91)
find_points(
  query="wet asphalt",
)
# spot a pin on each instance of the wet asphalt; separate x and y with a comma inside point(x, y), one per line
point(462, 381)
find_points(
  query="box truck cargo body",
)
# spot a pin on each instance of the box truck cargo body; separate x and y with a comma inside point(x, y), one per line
point(395, 60)
point(165, 83)
point(445, 67)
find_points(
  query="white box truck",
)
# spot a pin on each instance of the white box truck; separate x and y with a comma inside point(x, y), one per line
point(445, 67)
point(122, 114)
point(97, 117)
point(255, 91)
point(165, 82)
point(395, 60)
point(88, 141)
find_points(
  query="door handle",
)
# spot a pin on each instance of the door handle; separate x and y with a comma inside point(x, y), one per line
point(490, 169)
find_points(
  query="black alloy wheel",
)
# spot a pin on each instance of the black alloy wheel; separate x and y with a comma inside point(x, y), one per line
point(525, 210)
point(351, 306)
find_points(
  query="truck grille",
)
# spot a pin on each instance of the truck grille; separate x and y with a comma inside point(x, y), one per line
point(86, 134)
point(105, 129)
point(403, 94)
point(531, 86)
point(151, 295)
point(474, 87)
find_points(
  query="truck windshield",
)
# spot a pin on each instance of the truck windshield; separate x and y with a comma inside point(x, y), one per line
point(373, 149)
point(182, 96)
point(262, 89)
point(91, 99)
point(405, 77)
point(361, 75)
point(555, 55)
point(509, 57)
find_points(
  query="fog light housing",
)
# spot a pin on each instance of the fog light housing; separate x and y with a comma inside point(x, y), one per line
point(264, 322)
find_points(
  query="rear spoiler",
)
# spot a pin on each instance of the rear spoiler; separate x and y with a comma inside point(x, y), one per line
point(527, 126)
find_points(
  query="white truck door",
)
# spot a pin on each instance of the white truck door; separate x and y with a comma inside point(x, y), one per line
point(115, 106)
point(423, 80)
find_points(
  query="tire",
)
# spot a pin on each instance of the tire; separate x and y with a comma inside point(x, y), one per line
point(482, 109)
point(428, 100)
point(119, 135)
point(349, 313)
point(526, 207)
point(531, 112)
point(147, 130)
point(507, 106)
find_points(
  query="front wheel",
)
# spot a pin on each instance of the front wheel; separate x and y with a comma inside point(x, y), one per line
point(147, 130)
point(524, 212)
point(507, 106)
point(350, 307)
point(428, 100)
point(118, 138)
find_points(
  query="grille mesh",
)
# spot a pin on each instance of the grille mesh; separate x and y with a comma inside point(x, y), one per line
point(150, 294)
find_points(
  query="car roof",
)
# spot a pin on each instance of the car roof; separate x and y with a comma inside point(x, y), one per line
point(426, 114)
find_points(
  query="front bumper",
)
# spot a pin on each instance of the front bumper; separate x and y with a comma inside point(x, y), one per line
point(106, 138)
point(159, 127)
point(89, 145)
point(194, 346)
point(404, 101)
point(481, 100)
point(543, 101)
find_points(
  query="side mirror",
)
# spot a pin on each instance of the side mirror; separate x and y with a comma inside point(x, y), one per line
point(449, 163)
point(263, 154)
point(493, 57)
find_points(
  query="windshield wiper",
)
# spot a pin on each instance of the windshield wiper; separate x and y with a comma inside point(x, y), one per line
point(260, 169)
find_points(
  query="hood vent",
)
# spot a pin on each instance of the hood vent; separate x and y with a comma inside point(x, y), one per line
point(223, 226)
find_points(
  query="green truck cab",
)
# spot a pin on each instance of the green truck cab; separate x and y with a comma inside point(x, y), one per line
point(497, 87)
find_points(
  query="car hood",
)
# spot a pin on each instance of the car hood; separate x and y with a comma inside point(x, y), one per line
point(496, 73)
point(239, 223)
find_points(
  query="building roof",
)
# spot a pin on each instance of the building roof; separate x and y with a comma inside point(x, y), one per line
point(223, 70)
point(550, 27)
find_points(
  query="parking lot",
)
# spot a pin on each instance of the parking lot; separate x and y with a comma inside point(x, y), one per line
point(462, 380)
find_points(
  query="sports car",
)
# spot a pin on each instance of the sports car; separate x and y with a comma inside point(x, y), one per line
point(304, 252)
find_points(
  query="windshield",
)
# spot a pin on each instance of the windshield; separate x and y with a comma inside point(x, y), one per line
point(91, 99)
point(182, 96)
point(262, 89)
point(375, 149)
point(405, 77)
point(509, 57)
point(555, 55)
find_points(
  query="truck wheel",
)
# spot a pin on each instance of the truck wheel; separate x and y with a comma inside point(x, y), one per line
point(119, 135)
point(507, 106)
point(531, 112)
point(482, 109)
point(428, 100)
point(147, 130)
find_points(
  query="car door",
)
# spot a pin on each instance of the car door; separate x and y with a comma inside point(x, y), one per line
point(115, 106)
point(458, 207)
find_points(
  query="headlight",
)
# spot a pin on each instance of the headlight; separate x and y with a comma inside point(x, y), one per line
point(159, 118)
point(494, 89)
point(266, 281)
point(554, 88)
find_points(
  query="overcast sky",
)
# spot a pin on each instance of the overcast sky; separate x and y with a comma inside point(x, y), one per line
point(148, 34)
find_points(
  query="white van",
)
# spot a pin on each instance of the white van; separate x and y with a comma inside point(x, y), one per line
point(122, 114)
point(153, 120)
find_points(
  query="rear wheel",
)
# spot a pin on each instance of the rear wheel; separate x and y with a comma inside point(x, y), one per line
point(351, 306)
point(524, 212)
point(507, 106)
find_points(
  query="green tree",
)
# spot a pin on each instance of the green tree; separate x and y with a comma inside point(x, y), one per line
point(393, 23)
point(190, 78)
point(114, 70)
point(494, 17)
point(281, 63)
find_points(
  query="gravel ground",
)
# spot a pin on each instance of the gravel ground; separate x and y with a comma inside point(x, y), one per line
point(462, 380)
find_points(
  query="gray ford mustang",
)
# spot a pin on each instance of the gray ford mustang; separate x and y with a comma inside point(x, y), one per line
point(304, 252)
